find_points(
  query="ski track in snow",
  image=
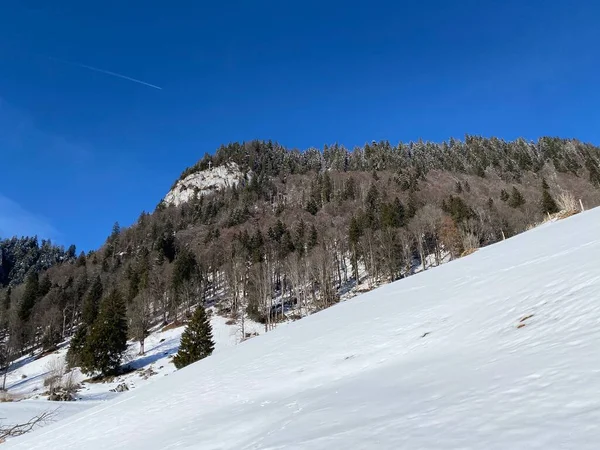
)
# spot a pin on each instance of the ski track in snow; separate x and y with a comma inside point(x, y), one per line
point(493, 351)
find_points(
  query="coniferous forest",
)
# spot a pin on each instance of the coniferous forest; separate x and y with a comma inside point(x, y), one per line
point(297, 231)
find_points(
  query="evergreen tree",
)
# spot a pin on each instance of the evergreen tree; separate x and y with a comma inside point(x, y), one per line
point(30, 296)
point(312, 207)
point(44, 286)
point(7, 299)
point(107, 339)
point(81, 260)
point(77, 347)
point(313, 237)
point(516, 198)
point(504, 196)
point(350, 189)
point(91, 302)
point(71, 252)
point(196, 340)
point(548, 205)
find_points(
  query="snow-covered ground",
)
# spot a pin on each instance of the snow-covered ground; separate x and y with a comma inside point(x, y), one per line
point(493, 351)
point(26, 388)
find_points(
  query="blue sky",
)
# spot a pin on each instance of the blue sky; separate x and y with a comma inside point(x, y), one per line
point(80, 149)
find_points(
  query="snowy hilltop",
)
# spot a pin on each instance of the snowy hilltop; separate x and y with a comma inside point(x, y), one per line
point(204, 182)
point(496, 350)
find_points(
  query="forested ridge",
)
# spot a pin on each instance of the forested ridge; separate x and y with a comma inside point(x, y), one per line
point(298, 231)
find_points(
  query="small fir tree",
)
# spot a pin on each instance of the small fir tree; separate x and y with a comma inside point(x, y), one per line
point(91, 302)
point(196, 341)
point(107, 339)
point(29, 296)
point(549, 206)
point(77, 347)
point(516, 199)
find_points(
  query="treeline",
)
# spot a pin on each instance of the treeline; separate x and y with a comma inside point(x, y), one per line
point(302, 229)
point(474, 156)
point(19, 256)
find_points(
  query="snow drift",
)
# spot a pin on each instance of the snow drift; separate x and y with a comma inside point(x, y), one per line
point(493, 351)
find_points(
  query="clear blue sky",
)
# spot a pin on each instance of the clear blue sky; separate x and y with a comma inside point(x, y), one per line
point(80, 149)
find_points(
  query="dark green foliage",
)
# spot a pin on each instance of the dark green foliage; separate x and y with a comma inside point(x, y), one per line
point(412, 206)
point(313, 237)
point(545, 186)
point(116, 231)
point(77, 347)
point(107, 339)
point(312, 207)
point(504, 196)
point(81, 260)
point(196, 341)
point(372, 200)
point(185, 268)
point(548, 204)
point(594, 171)
point(30, 296)
point(457, 209)
point(350, 189)
point(71, 252)
point(393, 215)
point(91, 302)
point(52, 337)
point(516, 198)
point(44, 286)
point(165, 244)
point(6, 302)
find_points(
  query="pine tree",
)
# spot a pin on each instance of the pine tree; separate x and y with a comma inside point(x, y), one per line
point(504, 196)
point(77, 347)
point(81, 260)
point(196, 340)
point(548, 205)
point(7, 299)
point(313, 237)
point(107, 339)
point(516, 198)
point(312, 207)
point(91, 302)
point(29, 296)
point(44, 286)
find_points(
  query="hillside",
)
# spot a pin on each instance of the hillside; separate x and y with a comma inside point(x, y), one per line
point(496, 350)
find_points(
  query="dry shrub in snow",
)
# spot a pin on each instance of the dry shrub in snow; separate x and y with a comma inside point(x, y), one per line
point(55, 371)
point(567, 203)
point(470, 243)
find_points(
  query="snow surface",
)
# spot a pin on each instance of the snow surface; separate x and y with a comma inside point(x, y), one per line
point(446, 359)
point(25, 382)
point(205, 182)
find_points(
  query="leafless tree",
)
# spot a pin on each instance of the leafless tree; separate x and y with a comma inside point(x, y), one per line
point(140, 317)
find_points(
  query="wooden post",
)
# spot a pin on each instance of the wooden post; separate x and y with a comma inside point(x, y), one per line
point(581, 204)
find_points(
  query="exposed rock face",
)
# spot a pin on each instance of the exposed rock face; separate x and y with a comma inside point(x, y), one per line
point(204, 182)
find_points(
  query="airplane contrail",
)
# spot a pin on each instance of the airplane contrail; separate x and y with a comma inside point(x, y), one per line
point(107, 72)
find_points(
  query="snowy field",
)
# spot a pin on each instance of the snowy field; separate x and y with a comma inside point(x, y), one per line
point(26, 382)
point(498, 350)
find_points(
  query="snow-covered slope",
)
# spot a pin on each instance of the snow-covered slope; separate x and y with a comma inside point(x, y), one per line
point(493, 351)
point(204, 182)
